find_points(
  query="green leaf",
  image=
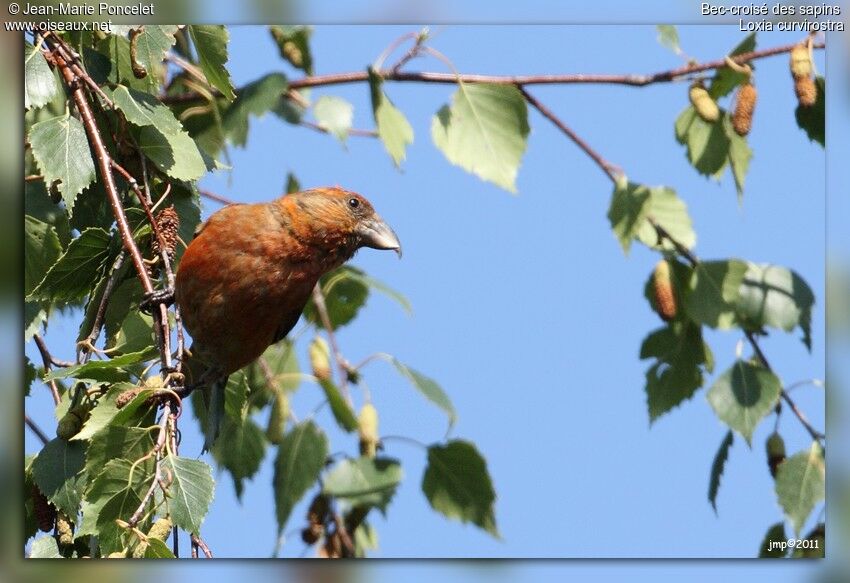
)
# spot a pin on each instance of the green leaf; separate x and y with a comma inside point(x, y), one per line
point(484, 131)
point(157, 549)
point(102, 413)
point(283, 366)
point(429, 388)
point(103, 370)
point(292, 184)
point(774, 296)
point(236, 397)
point(776, 533)
point(713, 292)
point(40, 205)
point(72, 276)
point(41, 250)
point(380, 286)
point(743, 395)
point(240, 449)
point(45, 547)
point(191, 491)
point(255, 98)
point(293, 41)
point(740, 155)
point(340, 408)
point(457, 484)
point(393, 128)
point(61, 149)
point(114, 494)
point(668, 37)
point(335, 115)
point(363, 481)
point(801, 484)
point(175, 154)
point(717, 467)
point(34, 316)
point(365, 539)
point(30, 373)
point(109, 63)
point(211, 45)
point(628, 211)
point(152, 43)
point(113, 442)
point(812, 120)
point(707, 143)
point(726, 79)
point(56, 471)
point(345, 294)
point(670, 212)
point(135, 334)
point(39, 83)
point(142, 109)
point(300, 459)
point(681, 356)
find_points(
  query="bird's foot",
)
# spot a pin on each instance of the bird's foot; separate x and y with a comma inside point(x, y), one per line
point(154, 298)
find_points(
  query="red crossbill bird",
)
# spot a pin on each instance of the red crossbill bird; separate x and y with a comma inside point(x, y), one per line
point(248, 273)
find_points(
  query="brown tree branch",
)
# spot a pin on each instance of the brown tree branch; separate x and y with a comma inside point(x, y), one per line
point(612, 171)
point(48, 362)
point(556, 79)
point(42, 436)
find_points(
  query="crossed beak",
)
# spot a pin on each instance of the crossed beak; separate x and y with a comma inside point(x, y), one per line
point(376, 234)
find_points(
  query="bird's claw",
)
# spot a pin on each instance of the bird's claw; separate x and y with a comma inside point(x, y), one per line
point(154, 298)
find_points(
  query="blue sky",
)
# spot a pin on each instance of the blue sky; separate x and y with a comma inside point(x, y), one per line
point(525, 308)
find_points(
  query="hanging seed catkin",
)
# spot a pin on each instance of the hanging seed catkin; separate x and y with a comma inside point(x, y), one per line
point(367, 428)
point(662, 287)
point(320, 358)
point(801, 71)
point(168, 224)
point(277, 420)
point(745, 105)
point(704, 105)
point(139, 71)
point(64, 529)
point(806, 90)
point(801, 61)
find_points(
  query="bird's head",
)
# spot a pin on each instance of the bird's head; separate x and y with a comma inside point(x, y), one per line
point(337, 220)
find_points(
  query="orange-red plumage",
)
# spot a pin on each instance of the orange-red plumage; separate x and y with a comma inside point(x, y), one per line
point(245, 278)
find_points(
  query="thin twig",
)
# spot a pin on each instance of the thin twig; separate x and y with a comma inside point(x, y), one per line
point(343, 535)
point(609, 169)
point(47, 361)
point(816, 435)
point(341, 363)
point(156, 451)
point(93, 335)
point(216, 197)
point(351, 132)
point(680, 248)
point(412, 53)
point(198, 542)
point(36, 429)
point(558, 79)
point(42, 347)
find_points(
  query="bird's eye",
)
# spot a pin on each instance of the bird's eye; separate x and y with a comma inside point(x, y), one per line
point(353, 203)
